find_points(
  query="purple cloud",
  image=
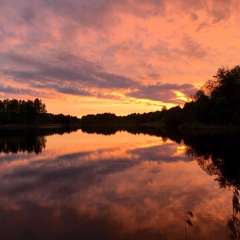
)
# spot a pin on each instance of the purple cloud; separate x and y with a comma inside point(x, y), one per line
point(162, 92)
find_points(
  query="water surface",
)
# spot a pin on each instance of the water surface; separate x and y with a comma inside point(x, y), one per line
point(121, 186)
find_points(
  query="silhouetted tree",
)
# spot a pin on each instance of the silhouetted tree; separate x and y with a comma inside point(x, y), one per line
point(39, 109)
point(31, 113)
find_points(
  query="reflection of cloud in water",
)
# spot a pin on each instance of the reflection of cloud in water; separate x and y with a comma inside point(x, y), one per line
point(168, 153)
point(114, 192)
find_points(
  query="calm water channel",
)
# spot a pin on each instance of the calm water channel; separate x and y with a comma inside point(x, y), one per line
point(119, 186)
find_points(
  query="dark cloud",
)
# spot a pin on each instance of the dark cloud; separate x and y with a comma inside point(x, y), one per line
point(193, 16)
point(29, 14)
point(202, 26)
point(165, 51)
point(9, 89)
point(192, 48)
point(155, 76)
point(220, 10)
point(79, 71)
point(93, 14)
point(96, 14)
point(113, 81)
point(22, 74)
point(220, 14)
point(101, 13)
point(146, 9)
point(73, 91)
point(22, 91)
point(194, 4)
point(162, 92)
point(216, 10)
point(69, 74)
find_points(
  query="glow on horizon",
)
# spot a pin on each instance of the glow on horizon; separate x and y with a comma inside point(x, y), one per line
point(86, 57)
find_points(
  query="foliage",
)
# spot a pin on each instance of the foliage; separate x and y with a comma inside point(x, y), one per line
point(218, 101)
point(30, 113)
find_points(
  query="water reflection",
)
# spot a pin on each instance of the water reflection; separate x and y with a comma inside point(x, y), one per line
point(123, 186)
point(27, 139)
point(110, 130)
point(218, 156)
point(233, 224)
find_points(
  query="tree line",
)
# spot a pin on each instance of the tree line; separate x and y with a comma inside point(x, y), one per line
point(13, 111)
point(217, 102)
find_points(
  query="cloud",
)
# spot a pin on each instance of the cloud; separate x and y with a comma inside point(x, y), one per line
point(162, 92)
point(73, 91)
point(21, 91)
point(193, 49)
point(80, 71)
point(93, 14)
point(202, 26)
point(220, 10)
point(70, 74)
point(80, 83)
point(193, 16)
point(155, 76)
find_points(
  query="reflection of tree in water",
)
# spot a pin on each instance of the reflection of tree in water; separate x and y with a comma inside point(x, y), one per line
point(21, 144)
point(233, 225)
point(133, 129)
point(27, 140)
point(217, 155)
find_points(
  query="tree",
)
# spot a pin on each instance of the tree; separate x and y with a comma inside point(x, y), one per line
point(199, 94)
point(39, 109)
point(218, 101)
point(228, 86)
point(164, 108)
point(209, 86)
point(2, 111)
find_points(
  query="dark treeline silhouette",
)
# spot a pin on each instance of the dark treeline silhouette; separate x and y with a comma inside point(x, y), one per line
point(110, 118)
point(31, 113)
point(217, 103)
point(28, 139)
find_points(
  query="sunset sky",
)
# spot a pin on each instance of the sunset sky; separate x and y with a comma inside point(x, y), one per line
point(120, 56)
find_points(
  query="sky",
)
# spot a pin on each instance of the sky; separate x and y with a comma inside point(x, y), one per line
point(93, 56)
